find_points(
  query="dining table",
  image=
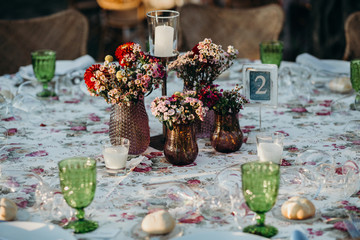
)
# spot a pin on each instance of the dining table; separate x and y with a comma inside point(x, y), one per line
point(38, 133)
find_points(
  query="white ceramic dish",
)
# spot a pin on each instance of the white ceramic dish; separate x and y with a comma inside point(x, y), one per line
point(212, 235)
point(33, 230)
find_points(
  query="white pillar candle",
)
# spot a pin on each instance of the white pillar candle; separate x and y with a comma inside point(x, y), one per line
point(164, 38)
point(270, 152)
point(115, 157)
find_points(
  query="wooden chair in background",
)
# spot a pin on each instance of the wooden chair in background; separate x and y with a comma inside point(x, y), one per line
point(242, 28)
point(65, 32)
point(352, 36)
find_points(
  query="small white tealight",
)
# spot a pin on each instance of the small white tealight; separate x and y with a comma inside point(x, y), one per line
point(115, 156)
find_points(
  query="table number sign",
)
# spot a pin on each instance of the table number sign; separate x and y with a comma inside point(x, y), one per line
point(260, 84)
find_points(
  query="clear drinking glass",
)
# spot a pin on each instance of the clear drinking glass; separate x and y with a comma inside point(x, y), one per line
point(78, 184)
point(271, 52)
point(270, 146)
point(355, 82)
point(260, 186)
point(43, 62)
point(116, 154)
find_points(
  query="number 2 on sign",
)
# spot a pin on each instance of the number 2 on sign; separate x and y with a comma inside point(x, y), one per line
point(263, 81)
point(260, 86)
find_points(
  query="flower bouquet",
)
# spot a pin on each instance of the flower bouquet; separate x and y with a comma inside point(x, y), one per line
point(230, 101)
point(180, 108)
point(227, 136)
point(124, 85)
point(203, 64)
point(135, 75)
point(178, 113)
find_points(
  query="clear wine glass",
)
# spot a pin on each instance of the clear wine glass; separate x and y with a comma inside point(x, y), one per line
point(78, 184)
point(43, 62)
point(260, 186)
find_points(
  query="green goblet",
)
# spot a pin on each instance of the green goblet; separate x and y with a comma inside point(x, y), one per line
point(355, 82)
point(260, 185)
point(43, 62)
point(271, 52)
point(78, 184)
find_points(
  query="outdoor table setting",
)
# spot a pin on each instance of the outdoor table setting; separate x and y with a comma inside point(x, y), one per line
point(76, 160)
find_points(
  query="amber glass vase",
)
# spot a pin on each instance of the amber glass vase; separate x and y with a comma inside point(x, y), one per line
point(130, 122)
point(227, 136)
point(180, 145)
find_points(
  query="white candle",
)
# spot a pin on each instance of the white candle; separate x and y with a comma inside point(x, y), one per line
point(115, 157)
point(164, 38)
point(270, 152)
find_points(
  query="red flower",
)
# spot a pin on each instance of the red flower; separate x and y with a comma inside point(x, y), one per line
point(125, 52)
point(89, 73)
point(195, 49)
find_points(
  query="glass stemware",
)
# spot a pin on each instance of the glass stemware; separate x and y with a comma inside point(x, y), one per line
point(271, 52)
point(43, 62)
point(78, 184)
point(260, 186)
point(355, 82)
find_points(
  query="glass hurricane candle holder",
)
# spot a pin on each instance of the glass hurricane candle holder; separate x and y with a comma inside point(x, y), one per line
point(163, 33)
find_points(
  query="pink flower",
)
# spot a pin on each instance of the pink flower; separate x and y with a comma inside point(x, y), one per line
point(340, 226)
point(142, 169)
point(79, 128)
point(323, 113)
point(38, 170)
point(193, 182)
point(192, 219)
point(12, 131)
point(299, 110)
point(40, 153)
point(285, 163)
point(8, 119)
point(93, 117)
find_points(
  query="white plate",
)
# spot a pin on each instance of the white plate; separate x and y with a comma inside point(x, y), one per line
point(33, 230)
point(212, 235)
point(276, 212)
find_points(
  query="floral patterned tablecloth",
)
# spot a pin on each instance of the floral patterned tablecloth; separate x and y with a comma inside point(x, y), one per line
point(73, 125)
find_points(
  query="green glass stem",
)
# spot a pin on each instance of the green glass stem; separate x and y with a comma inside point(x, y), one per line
point(260, 219)
point(45, 86)
point(356, 104)
point(80, 213)
point(357, 99)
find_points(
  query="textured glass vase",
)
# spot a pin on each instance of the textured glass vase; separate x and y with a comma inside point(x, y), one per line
point(205, 128)
point(130, 122)
point(227, 136)
point(180, 145)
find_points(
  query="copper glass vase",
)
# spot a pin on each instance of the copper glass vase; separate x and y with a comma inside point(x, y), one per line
point(130, 122)
point(227, 136)
point(180, 145)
